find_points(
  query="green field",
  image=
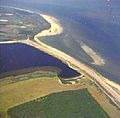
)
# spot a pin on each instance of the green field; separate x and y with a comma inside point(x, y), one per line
point(21, 89)
point(69, 104)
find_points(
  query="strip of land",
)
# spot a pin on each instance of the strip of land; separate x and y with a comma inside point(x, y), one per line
point(54, 29)
point(111, 89)
point(96, 58)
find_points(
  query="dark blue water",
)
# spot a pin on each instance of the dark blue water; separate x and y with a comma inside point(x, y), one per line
point(21, 56)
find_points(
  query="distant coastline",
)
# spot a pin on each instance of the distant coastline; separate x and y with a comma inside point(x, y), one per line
point(111, 89)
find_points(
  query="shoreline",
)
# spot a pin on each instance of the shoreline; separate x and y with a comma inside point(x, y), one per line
point(29, 70)
point(55, 29)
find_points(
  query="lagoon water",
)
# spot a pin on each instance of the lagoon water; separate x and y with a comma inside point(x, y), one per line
point(21, 56)
point(94, 22)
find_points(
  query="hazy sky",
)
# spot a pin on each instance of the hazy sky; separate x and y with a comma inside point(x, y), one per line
point(59, 2)
point(71, 3)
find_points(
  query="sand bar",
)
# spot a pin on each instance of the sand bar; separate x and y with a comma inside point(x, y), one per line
point(98, 60)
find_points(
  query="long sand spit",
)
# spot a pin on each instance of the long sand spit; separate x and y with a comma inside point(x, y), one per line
point(111, 89)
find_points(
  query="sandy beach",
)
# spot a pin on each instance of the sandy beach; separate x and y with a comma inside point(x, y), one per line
point(55, 28)
point(111, 89)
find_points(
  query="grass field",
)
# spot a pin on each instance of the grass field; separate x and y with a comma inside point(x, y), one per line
point(23, 88)
point(16, 90)
point(69, 104)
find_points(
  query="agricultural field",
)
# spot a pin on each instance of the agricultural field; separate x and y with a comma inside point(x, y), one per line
point(69, 104)
point(16, 24)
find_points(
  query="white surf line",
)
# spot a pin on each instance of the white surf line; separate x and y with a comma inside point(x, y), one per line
point(8, 14)
point(98, 60)
point(104, 82)
point(9, 42)
point(74, 78)
point(20, 9)
point(3, 20)
point(72, 66)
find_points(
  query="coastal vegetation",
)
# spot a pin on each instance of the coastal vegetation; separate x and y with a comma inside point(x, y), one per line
point(18, 24)
point(68, 104)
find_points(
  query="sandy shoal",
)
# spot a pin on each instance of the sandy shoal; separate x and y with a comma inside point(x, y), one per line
point(98, 60)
